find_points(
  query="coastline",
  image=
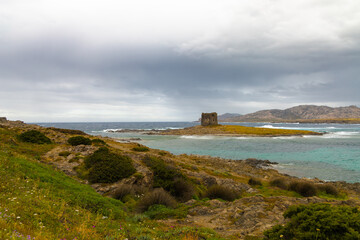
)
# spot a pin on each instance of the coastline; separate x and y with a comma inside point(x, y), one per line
point(258, 208)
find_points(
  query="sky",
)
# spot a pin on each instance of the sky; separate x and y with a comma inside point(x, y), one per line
point(165, 60)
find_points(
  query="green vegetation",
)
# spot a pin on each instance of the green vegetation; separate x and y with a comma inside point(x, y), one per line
point(34, 136)
point(39, 202)
point(98, 142)
point(79, 140)
point(162, 212)
point(169, 178)
point(64, 153)
point(318, 221)
point(254, 182)
point(67, 131)
point(222, 192)
point(106, 167)
point(305, 188)
point(141, 149)
point(157, 197)
point(328, 189)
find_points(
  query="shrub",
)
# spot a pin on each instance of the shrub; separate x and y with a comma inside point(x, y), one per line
point(158, 196)
point(254, 182)
point(123, 190)
point(305, 189)
point(141, 149)
point(34, 136)
point(318, 221)
point(79, 140)
point(328, 189)
point(219, 191)
point(183, 190)
point(107, 167)
point(64, 154)
point(164, 175)
point(68, 131)
point(280, 183)
point(98, 142)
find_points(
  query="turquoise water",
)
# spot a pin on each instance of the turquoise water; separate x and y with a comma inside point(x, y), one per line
point(334, 156)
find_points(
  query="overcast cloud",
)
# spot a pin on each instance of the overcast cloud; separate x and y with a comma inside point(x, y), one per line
point(167, 60)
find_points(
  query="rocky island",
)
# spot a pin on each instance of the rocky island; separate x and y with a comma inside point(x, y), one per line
point(209, 126)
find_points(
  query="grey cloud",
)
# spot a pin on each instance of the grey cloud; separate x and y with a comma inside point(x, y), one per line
point(69, 71)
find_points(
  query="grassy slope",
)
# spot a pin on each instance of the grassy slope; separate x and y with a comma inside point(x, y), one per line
point(38, 202)
point(237, 130)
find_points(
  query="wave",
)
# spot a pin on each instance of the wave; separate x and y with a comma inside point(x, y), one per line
point(198, 137)
point(340, 134)
point(112, 130)
point(267, 126)
point(290, 137)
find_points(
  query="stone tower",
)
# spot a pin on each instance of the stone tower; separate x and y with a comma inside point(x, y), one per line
point(208, 119)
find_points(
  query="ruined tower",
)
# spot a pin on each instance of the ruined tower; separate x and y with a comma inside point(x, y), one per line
point(208, 119)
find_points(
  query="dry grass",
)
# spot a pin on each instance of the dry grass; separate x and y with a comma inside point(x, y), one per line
point(280, 183)
point(158, 196)
point(254, 182)
point(222, 192)
point(328, 189)
point(305, 189)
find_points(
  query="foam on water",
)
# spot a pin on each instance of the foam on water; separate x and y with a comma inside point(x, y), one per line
point(198, 137)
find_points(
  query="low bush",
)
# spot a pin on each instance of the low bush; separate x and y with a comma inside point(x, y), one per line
point(141, 149)
point(305, 189)
point(318, 221)
point(64, 153)
point(183, 190)
point(34, 136)
point(98, 142)
point(107, 167)
point(219, 191)
point(280, 183)
point(156, 197)
point(164, 174)
point(122, 191)
point(67, 131)
point(254, 182)
point(328, 189)
point(79, 140)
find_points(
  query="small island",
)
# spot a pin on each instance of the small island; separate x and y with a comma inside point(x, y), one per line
point(209, 126)
point(235, 131)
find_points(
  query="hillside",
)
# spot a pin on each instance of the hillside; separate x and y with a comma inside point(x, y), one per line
point(307, 113)
point(65, 184)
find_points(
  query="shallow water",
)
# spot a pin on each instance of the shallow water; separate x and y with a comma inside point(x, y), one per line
point(333, 156)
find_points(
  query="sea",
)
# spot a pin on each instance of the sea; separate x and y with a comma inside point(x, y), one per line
point(334, 156)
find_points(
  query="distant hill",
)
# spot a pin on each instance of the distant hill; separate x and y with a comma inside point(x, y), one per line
point(228, 115)
point(302, 112)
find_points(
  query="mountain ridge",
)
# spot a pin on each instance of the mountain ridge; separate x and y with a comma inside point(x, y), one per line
point(306, 113)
